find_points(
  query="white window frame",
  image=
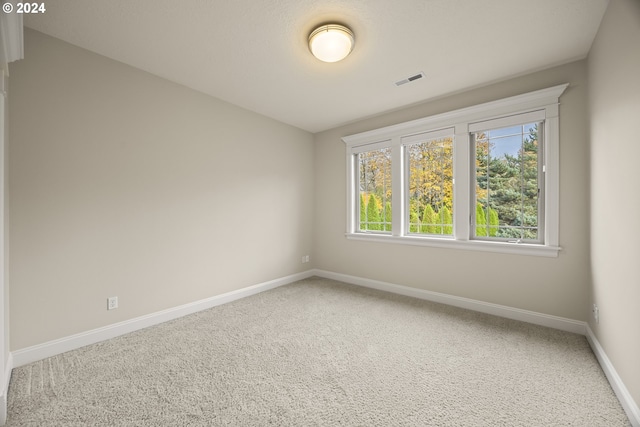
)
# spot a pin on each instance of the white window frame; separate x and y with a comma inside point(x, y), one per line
point(462, 120)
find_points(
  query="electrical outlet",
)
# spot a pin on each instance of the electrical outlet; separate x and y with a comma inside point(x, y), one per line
point(305, 259)
point(112, 302)
point(596, 313)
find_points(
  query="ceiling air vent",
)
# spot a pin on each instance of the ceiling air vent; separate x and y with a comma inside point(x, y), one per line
point(410, 79)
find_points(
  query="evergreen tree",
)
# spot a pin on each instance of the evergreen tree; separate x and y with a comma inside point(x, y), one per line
point(387, 216)
point(373, 213)
point(414, 221)
point(363, 213)
point(494, 222)
point(446, 220)
point(428, 221)
point(481, 221)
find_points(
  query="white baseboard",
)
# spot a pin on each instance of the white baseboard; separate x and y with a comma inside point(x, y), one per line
point(51, 348)
point(555, 322)
point(627, 402)
point(4, 392)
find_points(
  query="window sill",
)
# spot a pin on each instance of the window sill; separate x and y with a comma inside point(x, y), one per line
point(472, 245)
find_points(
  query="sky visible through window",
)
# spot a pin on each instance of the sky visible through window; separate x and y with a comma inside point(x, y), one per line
point(509, 140)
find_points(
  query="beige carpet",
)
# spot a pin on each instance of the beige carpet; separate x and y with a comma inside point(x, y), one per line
point(322, 353)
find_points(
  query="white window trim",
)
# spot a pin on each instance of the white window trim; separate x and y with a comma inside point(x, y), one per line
point(462, 120)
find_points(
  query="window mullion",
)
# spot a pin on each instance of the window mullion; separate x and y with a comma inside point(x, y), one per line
point(461, 182)
point(352, 192)
point(551, 152)
point(398, 226)
point(542, 219)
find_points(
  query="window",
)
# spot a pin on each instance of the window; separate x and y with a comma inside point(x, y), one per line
point(374, 188)
point(429, 160)
point(480, 178)
point(509, 179)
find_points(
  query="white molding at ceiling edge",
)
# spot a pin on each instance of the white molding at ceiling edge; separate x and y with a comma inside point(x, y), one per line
point(51, 348)
point(5, 390)
point(621, 391)
point(555, 322)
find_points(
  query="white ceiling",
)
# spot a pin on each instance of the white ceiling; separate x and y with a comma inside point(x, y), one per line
point(253, 53)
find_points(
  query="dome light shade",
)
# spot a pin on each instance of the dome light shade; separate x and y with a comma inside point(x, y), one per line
point(331, 43)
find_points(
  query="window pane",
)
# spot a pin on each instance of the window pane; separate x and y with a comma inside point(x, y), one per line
point(375, 190)
point(430, 187)
point(507, 183)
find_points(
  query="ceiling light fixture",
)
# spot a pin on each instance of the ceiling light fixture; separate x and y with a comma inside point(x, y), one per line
point(331, 43)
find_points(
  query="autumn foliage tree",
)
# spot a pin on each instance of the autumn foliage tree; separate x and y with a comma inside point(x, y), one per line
point(430, 184)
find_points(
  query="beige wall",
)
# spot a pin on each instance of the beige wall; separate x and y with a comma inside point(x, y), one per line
point(555, 286)
point(124, 184)
point(614, 90)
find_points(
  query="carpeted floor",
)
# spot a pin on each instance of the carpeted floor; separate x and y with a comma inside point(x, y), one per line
point(322, 353)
